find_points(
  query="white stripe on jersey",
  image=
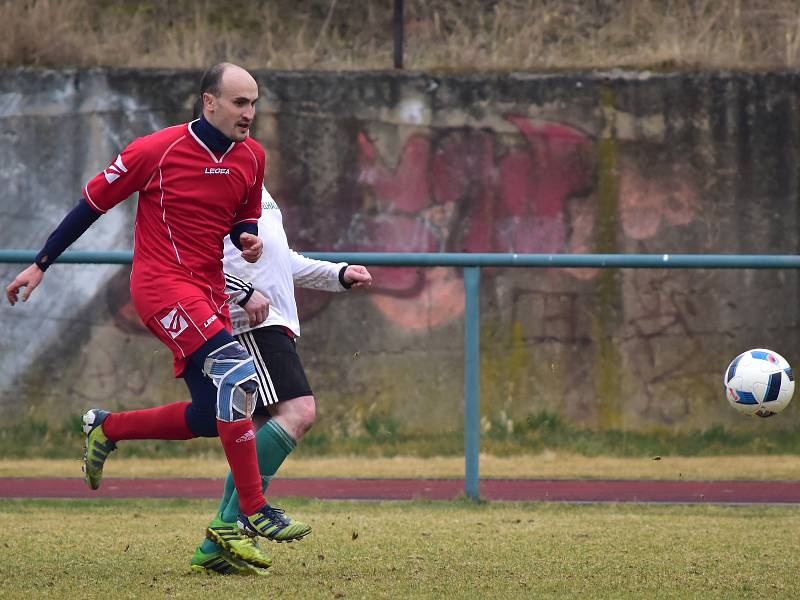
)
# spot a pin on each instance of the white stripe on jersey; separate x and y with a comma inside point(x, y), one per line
point(188, 318)
point(235, 283)
point(161, 187)
point(164, 216)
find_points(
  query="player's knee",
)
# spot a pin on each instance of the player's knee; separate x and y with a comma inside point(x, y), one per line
point(301, 414)
point(307, 414)
point(201, 414)
point(202, 423)
point(233, 371)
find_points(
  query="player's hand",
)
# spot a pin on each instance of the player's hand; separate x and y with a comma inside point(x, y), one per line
point(252, 247)
point(257, 308)
point(357, 276)
point(28, 279)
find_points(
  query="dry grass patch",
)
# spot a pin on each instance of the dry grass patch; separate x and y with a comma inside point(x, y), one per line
point(470, 35)
point(545, 465)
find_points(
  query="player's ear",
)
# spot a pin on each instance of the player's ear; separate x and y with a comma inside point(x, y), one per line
point(209, 101)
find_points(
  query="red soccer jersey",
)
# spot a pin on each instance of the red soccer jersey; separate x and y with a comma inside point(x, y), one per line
point(189, 199)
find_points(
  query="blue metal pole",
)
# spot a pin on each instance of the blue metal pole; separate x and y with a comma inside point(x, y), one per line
point(106, 257)
point(445, 259)
point(472, 380)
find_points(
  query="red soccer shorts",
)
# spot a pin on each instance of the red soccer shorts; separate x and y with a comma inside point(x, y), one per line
point(187, 325)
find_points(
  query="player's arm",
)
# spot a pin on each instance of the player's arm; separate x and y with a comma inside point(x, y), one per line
point(72, 226)
point(355, 276)
point(244, 294)
point(328, 276)
point(239, 291)
point(127, 174)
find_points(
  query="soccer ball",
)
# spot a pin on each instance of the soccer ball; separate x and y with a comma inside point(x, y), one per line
point(759, 382)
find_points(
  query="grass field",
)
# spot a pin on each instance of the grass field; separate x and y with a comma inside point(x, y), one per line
point(141, 549)
point(546, 465)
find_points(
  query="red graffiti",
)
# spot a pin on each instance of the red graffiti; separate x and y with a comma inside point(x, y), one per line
point(470, 191)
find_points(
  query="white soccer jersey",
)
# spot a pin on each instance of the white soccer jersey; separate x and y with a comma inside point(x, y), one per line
point(276, 273)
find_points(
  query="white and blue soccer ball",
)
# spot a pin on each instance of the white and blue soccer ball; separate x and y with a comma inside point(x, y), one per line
point(759, 382)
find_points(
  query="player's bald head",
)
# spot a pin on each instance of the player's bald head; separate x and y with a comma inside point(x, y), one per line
point(223, 75)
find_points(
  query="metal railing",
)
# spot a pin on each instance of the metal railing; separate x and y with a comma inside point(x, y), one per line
point(472, 263)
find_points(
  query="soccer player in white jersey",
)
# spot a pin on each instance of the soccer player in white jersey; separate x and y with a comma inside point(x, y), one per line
point(265, 321)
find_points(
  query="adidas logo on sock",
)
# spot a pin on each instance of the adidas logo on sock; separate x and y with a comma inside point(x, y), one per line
point(250, 435)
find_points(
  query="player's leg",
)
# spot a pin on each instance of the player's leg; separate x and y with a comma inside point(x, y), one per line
point(274, 445)
point(176, 421)
point(299, 411)
point(228, 365)
point(288, 398)
point(243, 554)
point(218, 529)
point(287, 395)
point(103, 429)
point(231, 369)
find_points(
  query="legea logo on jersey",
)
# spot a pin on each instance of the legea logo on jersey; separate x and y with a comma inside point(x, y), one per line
point(115, 169)
point(268, 205)
point(174, 323)
point(209, 321)
point(217, 171)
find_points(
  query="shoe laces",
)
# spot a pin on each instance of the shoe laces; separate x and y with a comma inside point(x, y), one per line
point(276, 515)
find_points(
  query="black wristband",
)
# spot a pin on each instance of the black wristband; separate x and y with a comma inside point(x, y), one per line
point(345, 285)
point(248, 294)
point(42, 261)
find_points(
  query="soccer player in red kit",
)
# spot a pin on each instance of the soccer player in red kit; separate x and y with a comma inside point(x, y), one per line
point(197, 183)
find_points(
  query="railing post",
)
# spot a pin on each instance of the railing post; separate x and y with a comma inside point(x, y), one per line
point(398, 34)
point(472, 380)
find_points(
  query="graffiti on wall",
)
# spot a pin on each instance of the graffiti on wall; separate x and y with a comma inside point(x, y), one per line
point(467, 190)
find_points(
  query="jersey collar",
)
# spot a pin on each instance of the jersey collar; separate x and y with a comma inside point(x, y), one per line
point(210, 138)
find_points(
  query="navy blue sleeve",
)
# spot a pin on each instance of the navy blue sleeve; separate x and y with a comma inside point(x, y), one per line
point(72, 226)
point(240, 229)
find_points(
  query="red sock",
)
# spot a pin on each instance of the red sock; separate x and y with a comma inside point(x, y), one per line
point(239, 442)
point(159, 423)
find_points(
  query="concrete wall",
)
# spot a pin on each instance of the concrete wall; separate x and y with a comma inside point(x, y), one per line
point(604, 162)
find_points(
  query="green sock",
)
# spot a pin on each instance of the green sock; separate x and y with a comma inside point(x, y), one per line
point(208, 546)
point(273, 445)
point(230, 489)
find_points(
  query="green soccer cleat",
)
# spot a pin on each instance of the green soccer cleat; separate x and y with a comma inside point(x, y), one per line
point(97, 446)
point(220, 563)
point(233, 541)
point(273, 524)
